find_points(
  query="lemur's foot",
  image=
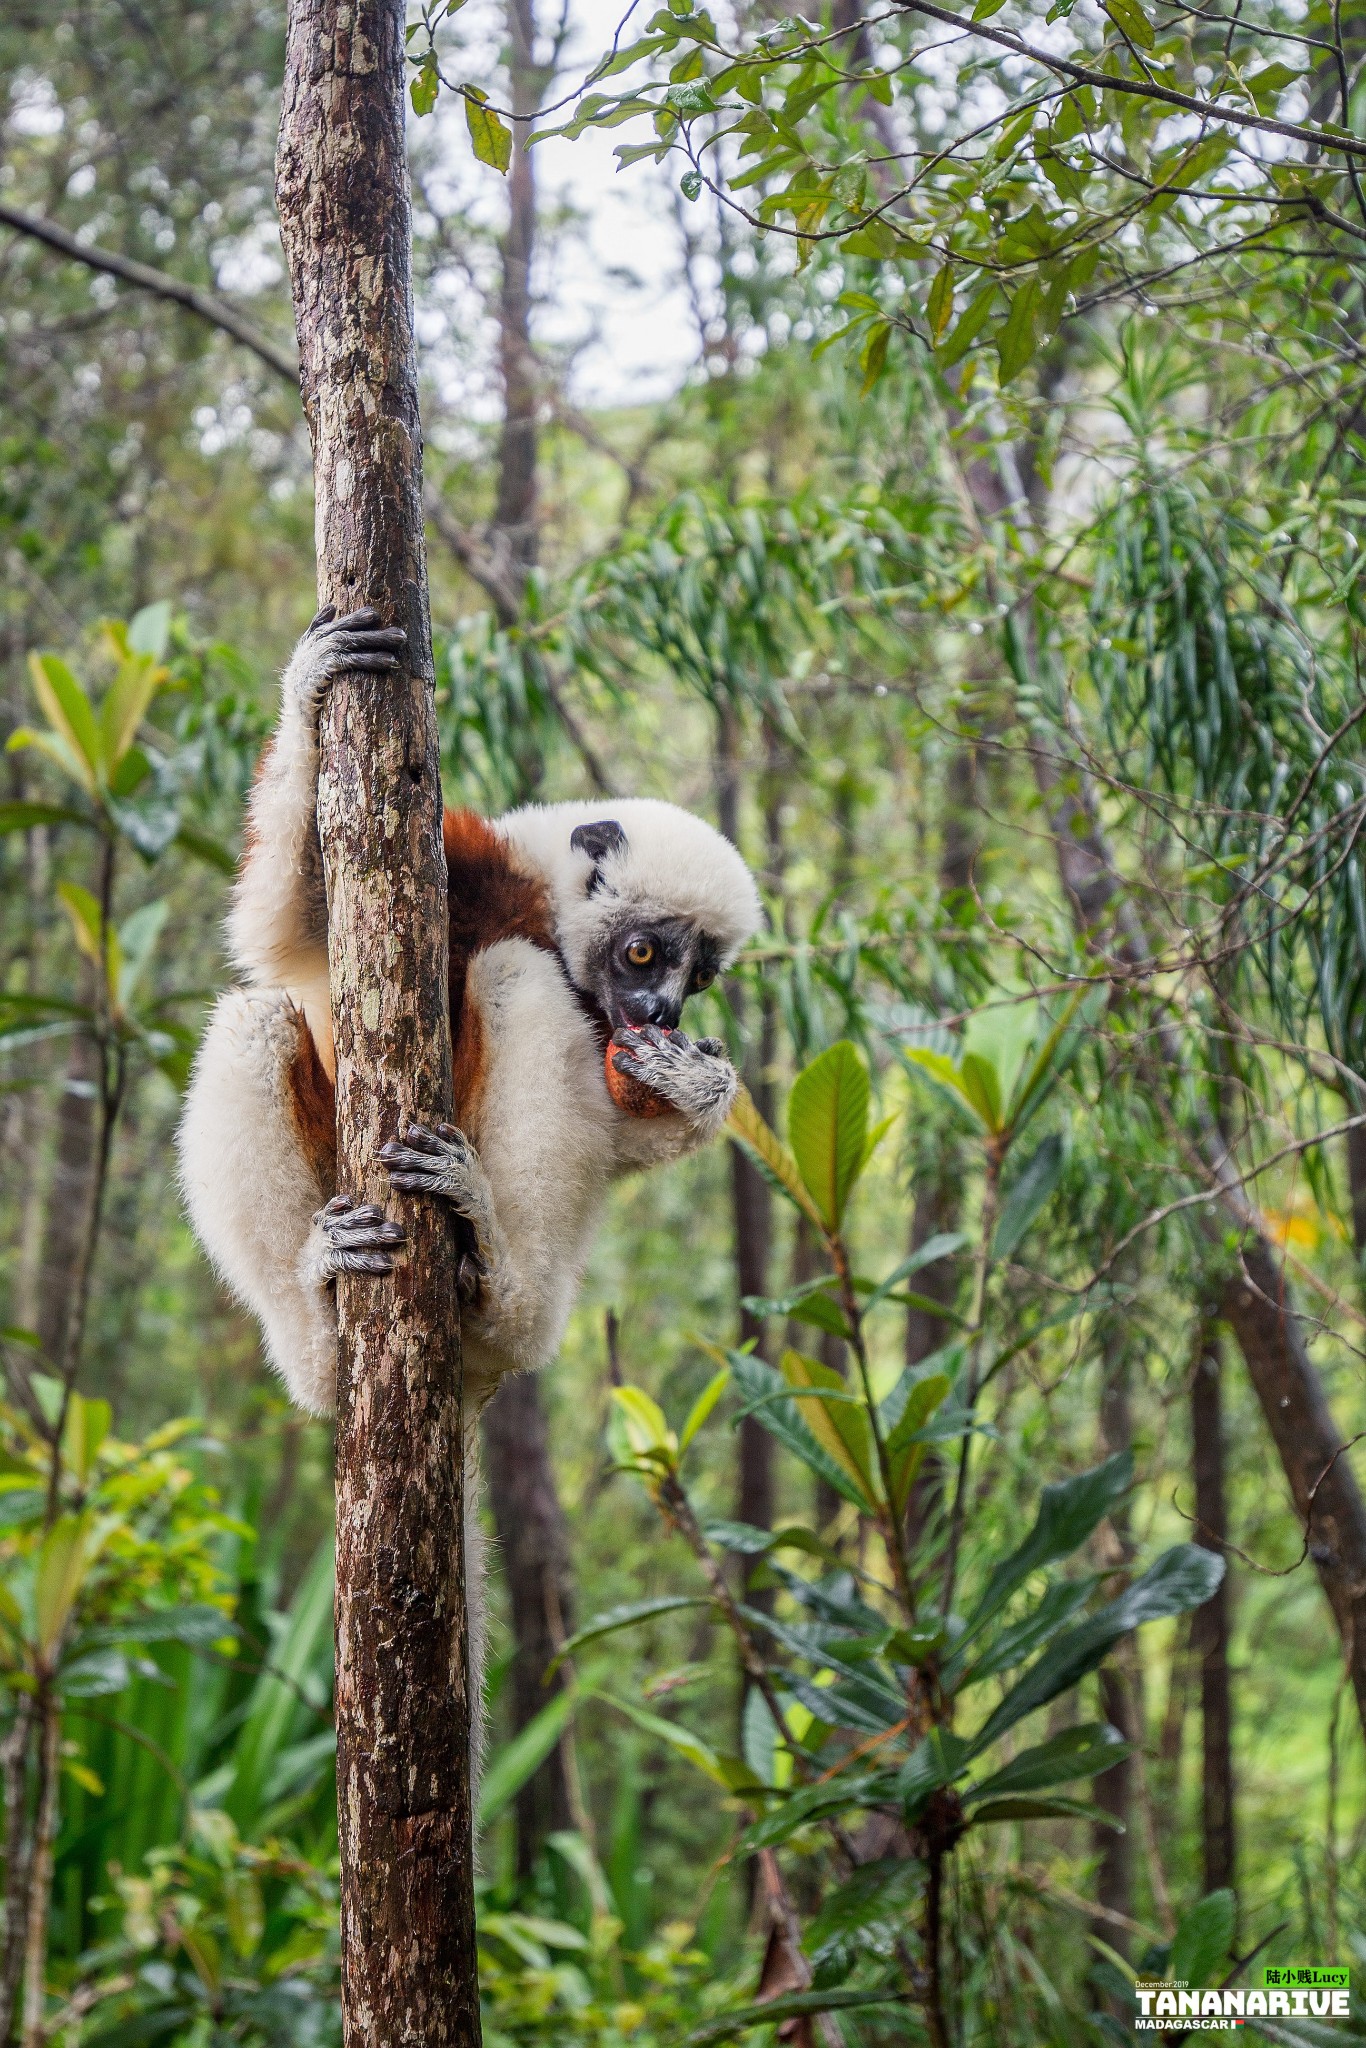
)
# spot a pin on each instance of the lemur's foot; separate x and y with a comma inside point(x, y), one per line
point(436, 1162)
point(698, 1079)
point(443, 1162)
point(332, 647)
point(356, 1240)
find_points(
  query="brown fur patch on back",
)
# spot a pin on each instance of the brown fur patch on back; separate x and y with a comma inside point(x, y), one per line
point(313, 1105)
point(490, 898)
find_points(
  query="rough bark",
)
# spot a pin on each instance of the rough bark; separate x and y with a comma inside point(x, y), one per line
point(514, 518)
point(68, 1202)
point(533, 1546)
point(402, 1706)
point(1210, 1624)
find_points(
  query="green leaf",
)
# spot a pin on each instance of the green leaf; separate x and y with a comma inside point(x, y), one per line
point(940, 307)
point(138, 936)
point(511, 1766)
point(1023, 1806)
point(947, 1076)
point(1069, 1510)
point(1082, 1752)
point(794, 2005)
point(822, 1313)
point(728, 1771)
point(125, 705)
point(1202, 1940)
point(827, 1124)
point(211, 851)
point(1182, 1578)
point(766, 1148)
point(491, 136)
point(627, 1616)
point(68, 1550)
point(982, 1086)
point(1032, 1189)
point(642, 1428)
point(903, 1452)
point(835, 1417)
point(873, 355)
point(149, 630)
point(703, 1406)
point(969, 325)
point(21, 817)
point(425, 85)
point(1015, 341)
point(766, 1395)
point(942, 1245)
point(67, 710)
point(1130, 19)
point(690, 184)
point(87, 922)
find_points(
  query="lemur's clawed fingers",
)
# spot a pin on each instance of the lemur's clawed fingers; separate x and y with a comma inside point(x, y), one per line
point(320, 619)
point(713, 1048)
point(422, 1161)
point(358, 1239)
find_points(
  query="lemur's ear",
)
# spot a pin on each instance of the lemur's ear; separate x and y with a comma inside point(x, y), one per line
point(598, 840)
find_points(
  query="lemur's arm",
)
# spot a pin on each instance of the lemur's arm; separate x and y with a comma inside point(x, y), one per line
point(277, 927)
point(695, 1076)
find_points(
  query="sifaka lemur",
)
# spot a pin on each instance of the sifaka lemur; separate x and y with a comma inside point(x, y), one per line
point(575, 940)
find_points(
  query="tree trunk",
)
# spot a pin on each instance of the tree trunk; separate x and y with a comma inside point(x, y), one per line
point(68, 1202)
point(1113, 1790)
point(514, 519)
point(533, 1544)
point(402, 1706)
point(1210, 1624)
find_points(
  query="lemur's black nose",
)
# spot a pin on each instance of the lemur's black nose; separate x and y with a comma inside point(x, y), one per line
point(652, 1006)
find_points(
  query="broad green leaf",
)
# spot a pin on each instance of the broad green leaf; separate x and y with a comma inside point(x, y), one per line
point(87, 922)
point(903, 1453)
point(1082, 1752)
point(627, 1616)
point(1038, 1806)
point(510, 1767)
point(1182, 1578)
point(703, 1406)
point(67, 710)
point(87, 1426)
point(149, 630)
point(1062, 1602)
point(768, 1151)
point(491, 137)
point(947, 1076)
point(69, 1548)
point(1015, 341)
point(424, 85)
point(940, 307)
point(835, 1417)
point(818, 1309)
point(1203, 1938)
point(211, 851)
point(766, 1395)
point(1069, 1510)
point(937, 1759)
point(1130, 19)
point(645, 1424)
point(982, 1086)
point(827, 1126)
point(1032, 1189)
point(125, 706)
point(969, 325)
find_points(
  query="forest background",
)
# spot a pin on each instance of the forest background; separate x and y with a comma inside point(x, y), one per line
point(964, 511)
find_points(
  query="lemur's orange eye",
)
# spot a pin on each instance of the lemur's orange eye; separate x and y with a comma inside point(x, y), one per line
point(640, 952)
point(702, 980)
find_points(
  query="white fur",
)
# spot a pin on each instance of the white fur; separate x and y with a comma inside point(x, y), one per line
point(549, 1138)
point(671, 861)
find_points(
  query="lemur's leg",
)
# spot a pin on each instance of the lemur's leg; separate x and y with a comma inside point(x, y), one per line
point(698, 1079)
point(277, 926)
point(256, 1167)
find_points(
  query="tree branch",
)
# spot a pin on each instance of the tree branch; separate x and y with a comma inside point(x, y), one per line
point(217, 312)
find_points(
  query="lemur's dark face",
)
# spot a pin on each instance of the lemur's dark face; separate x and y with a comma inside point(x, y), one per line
point(646, 964)
point(649, 968)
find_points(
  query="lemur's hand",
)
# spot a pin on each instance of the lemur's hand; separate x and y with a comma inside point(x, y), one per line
point(697, 1079)
point(356, 1240)
point(334, 647)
